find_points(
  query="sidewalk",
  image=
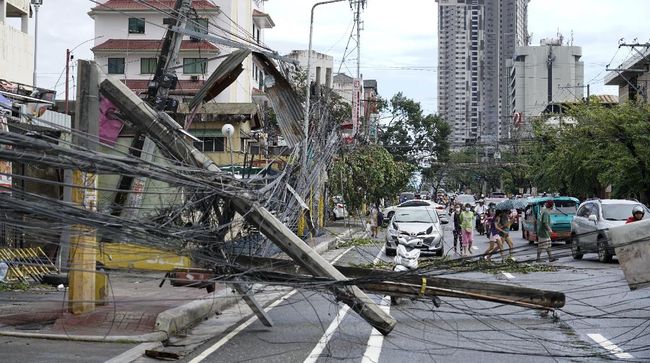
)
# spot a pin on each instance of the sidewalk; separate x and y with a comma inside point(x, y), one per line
point(138, 309)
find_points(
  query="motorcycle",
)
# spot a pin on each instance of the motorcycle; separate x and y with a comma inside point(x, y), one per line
point(480, 223)
point(406, 259)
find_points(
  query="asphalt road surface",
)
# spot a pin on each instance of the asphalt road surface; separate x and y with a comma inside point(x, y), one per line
point(602, 321)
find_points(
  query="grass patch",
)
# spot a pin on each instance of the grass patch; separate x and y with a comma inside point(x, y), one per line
point(356, 242)
point(14, 286)
point(481, 265)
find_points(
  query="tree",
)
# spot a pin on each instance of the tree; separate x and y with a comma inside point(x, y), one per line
point(368, 174)
point(422, 141)
point(603, 146)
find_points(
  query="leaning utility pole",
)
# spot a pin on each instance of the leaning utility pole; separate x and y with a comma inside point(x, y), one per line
point(161, 126)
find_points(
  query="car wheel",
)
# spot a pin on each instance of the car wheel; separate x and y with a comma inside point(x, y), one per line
point(603, 254)
point(440, 252)
point(576, 252)
point(391, 252)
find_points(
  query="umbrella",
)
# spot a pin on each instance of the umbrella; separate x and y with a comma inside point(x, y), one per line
point(510, 204)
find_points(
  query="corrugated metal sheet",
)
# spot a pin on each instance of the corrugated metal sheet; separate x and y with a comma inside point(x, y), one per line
point(285, 102)
point(225, 74)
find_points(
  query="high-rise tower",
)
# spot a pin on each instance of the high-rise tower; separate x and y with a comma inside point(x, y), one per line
point(475, 38)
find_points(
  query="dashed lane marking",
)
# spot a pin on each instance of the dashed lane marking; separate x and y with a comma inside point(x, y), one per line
point(609, 346)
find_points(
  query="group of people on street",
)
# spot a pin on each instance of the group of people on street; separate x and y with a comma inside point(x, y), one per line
point(495, 224)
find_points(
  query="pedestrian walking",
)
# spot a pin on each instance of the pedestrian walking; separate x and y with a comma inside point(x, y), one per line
point(467, 227)
point(496, 242)
point(457, 231)
point(544, 232)
point(374, 220)
point(504, 223)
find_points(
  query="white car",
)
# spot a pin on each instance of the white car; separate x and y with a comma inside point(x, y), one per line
point(420, 222)
point(338, 210)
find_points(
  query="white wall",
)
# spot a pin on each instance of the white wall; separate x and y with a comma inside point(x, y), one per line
point(16, 55)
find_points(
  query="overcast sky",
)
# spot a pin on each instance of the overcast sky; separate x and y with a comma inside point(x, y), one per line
point(398, 42)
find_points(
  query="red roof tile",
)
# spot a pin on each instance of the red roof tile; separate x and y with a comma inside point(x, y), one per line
point(152, 4)
point(149, 45)
point(183, 85)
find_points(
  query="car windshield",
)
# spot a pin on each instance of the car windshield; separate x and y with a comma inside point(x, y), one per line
point(564, 207)
point(465, 199)
point(620, 212)
point(423, 215)
point(415, 203)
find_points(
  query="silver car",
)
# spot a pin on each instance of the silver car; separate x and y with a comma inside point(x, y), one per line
point(420, 222)
point(590, 227)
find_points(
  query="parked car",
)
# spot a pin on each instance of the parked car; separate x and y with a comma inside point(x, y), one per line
point(338, 209)
point(590, 227)
point(561, 217)
point(420, 222)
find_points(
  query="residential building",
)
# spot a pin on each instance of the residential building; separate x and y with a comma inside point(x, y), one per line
point(16, 45)
point(321, 65)
point(632, 77)
point(343, 85)
point(475, 38)
point(129, 38)
point(550, 73)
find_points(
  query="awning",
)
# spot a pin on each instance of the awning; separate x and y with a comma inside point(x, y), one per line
point(206, 133)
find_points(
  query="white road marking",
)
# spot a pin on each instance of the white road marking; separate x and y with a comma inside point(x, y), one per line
point(244, 325)
point(376, 340)
point(322, 343)
point(508, 275)
point(611, 347)
point(474, 248)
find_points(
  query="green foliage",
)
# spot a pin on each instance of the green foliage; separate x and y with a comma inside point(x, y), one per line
point(367, 174)
point(605, 146)
point(14, 286)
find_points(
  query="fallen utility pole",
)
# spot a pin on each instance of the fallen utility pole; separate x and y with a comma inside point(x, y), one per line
point(162, 128)
point(395, 283)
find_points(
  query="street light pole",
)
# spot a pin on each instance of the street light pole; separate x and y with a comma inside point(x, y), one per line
point(228, 130)
point(308, 88)
point(37, 4)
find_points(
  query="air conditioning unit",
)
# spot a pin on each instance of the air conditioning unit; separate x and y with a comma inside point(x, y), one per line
point(194, 78)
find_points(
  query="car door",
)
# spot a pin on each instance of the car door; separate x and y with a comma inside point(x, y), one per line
point(578, 223)
point(589, 233)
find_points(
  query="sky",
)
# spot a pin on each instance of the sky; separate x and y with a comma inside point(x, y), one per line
point(398, 40)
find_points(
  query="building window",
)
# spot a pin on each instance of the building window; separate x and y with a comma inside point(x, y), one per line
point(136, 26)
point(115, 65)
point(318, 69)
point(195, 65)
point(211, 144)
point(199, 25)
point(148, 65)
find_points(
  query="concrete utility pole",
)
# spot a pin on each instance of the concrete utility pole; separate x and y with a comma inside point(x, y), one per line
point(83, 249)
point(161, 126)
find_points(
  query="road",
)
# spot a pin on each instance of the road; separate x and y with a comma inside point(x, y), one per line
point(601, 321)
